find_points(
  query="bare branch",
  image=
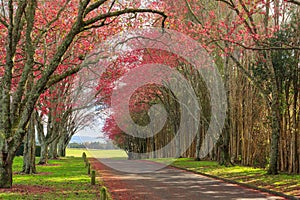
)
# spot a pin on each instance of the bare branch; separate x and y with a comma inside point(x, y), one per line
point(93, 7)
point(192, 12)
point(100, 25)
point(249, 16)
point(48, 25)
point(294, 2)
point(230, 4)
point(57, 78)
point(2, 21)
point(124, 11)
point(258, 48)
point(17, 23)
point(3, 10)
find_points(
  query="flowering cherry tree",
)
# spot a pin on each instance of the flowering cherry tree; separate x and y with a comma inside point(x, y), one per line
point(37, 41)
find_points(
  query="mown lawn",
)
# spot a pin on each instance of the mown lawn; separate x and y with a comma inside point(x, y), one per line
point(285, 183)
point(65, 178)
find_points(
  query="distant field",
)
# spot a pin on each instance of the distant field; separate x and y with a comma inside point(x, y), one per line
point(97, 153)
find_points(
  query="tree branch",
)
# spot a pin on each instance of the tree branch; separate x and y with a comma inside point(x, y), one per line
point(2, 21)
point(48, 25)
point(57, 78)
point(247, 74)
point(259, 48)
point(29, 49)
point(294, 2)
point(93, 7)
point(125, 11)
point(193, 14)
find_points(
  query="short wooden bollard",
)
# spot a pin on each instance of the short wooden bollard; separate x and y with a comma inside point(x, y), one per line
point(93, 177)
point(103, 193)
point(89, 168)
point(84, 156)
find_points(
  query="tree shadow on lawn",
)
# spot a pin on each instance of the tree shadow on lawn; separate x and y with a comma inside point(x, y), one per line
point(27, 189)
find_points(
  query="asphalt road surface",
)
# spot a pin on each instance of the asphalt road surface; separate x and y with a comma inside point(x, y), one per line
point(167, 183)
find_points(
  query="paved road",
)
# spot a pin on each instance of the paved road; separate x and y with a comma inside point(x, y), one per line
point(171, 184)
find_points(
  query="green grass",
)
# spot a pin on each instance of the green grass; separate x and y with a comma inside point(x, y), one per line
point(67, 177)
point(285, 183)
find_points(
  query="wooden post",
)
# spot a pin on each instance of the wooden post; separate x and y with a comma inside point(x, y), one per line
point(93, 177)
point(89, 168)
point(103, 193)
point(84, 156)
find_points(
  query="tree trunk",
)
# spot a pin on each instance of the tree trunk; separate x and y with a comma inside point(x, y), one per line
point(198, 143)
point(29, 150)
point(5, 164)
point(44, 154)
point(153, 147)
point(42, 140)
point(177, 137)
point(61, 147)
point(61, 150)
point(5, 173)
point(7, 154)
point(53, 149)
point(273, 168)
point(177, 144)
point(225, 156)
point(224, 148)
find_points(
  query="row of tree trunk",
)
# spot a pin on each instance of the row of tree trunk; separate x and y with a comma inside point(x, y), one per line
point(53, 143)
point(255, 130)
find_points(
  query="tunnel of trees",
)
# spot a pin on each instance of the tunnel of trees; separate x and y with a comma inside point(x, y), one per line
point(255, 46)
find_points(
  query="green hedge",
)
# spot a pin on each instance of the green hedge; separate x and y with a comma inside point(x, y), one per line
point(21, 150)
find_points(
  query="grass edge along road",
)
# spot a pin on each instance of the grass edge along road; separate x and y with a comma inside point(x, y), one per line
point(65, 178)
point(288, 184)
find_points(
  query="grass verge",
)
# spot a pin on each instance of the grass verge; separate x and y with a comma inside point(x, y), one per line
point(256, 177)
point(65, 178)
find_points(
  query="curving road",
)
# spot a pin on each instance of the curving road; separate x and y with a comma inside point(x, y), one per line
point(167, 183)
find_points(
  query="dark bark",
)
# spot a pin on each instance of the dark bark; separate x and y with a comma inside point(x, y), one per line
point(198, 142)
point(46, 140)
point(42, 139)
point(224, 149)
point(177, 146)
point(29, 150)
point(153, 147)
point(64, 140)
point(7, 154)
point(5, 168)
point(273, 167)
point(61, 149)
point(6, 175)
point(53, 149)
point(225, 154)
point(61, 146)
point(44, 154)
